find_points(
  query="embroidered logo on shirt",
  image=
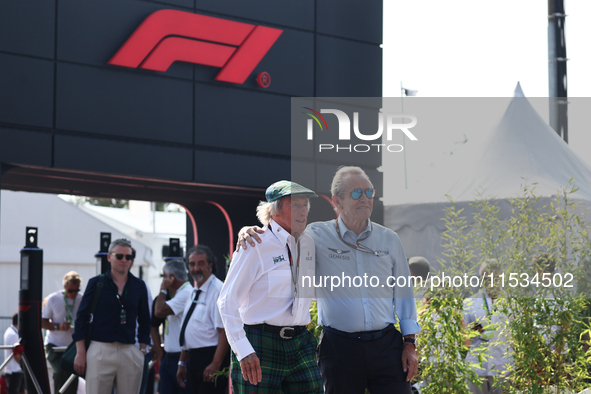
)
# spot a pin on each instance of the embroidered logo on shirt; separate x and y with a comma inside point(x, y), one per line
point(339, 251)
point(339, 254)
point(278, 259)
point(309, 258)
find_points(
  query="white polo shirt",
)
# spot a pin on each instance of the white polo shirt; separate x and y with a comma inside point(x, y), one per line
point(10, 338)
point(258, 288)
point(58, 311)
point(202, 329)
point(172, 328)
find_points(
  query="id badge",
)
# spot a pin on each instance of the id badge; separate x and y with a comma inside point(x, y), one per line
point(123, 317)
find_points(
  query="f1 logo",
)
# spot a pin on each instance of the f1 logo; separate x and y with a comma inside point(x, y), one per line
point(167, 36)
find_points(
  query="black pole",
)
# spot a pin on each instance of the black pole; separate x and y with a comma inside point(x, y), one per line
point(103, 253)
point(558, 91)
point(29, 311)
point(174, 249)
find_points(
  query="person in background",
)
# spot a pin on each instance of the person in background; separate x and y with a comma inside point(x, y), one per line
point(202, 336)
point(480, 315)
point(58, 317)
point(112, 358)
point(13, 371)
point(175, 282)
point(419, 267)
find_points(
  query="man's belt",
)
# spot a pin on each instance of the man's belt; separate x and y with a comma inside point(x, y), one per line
point(286, 332)
point(362, 335)
point(175, 354)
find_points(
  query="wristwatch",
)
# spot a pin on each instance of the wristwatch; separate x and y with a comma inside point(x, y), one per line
point(411, 340)
point(144, 350)
point(56, 327)
point(163, 291)
point(182, 364)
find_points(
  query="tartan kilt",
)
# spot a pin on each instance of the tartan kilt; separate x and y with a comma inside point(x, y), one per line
point(287, 365)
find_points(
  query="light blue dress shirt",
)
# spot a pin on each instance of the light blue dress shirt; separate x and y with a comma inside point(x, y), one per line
point(353, 308)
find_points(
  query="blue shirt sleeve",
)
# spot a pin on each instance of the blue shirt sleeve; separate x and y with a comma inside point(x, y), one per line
point(404, 297)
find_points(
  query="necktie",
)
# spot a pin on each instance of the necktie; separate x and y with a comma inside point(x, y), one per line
point(187, 317)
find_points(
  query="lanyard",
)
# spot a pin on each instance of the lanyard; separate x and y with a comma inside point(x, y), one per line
point(69, 312)
point(488, 313)
point(166, 321)
point(294, 276)
point(121, 300)
point(195, 301)
point(182, 287)
point(358, 246)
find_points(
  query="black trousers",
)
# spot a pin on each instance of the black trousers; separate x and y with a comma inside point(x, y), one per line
point(16, 383)
point(199, 359)
point(59, 377)
point(349, 365)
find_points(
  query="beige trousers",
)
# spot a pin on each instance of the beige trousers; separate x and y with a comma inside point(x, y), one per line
point(113, 364)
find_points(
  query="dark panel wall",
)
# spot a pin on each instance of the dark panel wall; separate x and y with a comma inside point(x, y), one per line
point(54, 79)
point(63, 107)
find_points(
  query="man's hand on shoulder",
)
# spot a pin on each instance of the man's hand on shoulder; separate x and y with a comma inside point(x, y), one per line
point(251, 368)
point(249, 235)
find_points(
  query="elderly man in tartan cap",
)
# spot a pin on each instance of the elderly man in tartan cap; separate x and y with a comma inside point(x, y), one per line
point(264, 306)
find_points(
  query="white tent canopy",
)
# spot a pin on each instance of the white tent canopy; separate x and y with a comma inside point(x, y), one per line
point(521, 150)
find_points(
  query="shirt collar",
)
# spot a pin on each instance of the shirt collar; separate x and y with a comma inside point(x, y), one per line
point(205, 285)
point(281, 234)
point(344, 229)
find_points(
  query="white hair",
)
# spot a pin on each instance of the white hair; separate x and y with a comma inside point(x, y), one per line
point(337, 188)
point(266, 210)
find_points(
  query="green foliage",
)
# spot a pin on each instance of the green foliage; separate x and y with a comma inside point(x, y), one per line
point(313, 327)
point(545, 325)
point(442, 342)
point(222, 374)
point(103, 202)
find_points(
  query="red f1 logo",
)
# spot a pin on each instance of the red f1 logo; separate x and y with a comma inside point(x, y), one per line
point(167, 36)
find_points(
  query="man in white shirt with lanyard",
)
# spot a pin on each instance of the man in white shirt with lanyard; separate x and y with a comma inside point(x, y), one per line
point(360, 348)
point(58, 317)
point(202, 337)
point(263, 305)
point(176, 282)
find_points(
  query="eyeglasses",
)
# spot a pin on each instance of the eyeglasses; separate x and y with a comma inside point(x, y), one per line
point(73, 290)
point(119, 256)
point(357, 193)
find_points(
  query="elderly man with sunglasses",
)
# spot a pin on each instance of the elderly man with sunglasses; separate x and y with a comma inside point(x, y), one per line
point(112, 358)
point(58, 316)
point(360, 347)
